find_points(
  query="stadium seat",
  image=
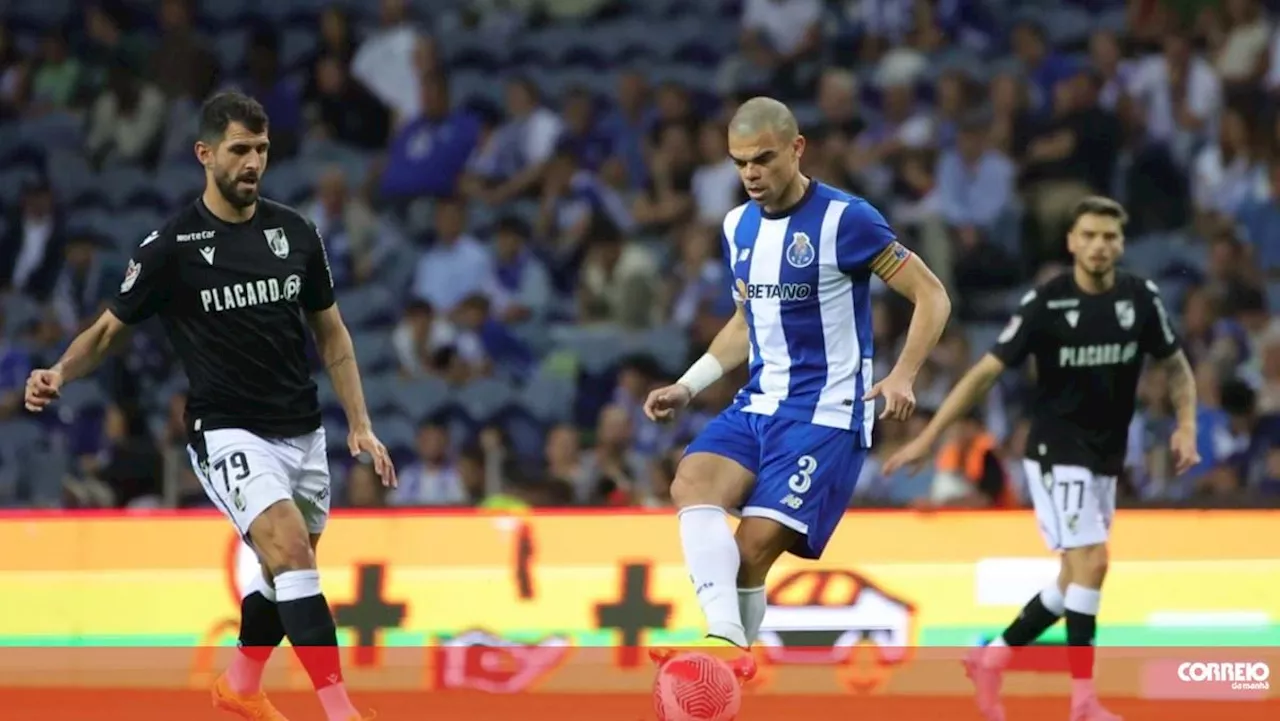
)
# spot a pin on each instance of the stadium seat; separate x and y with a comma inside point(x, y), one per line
point(120, 183)
point(668, 345)
point(549, 400)
point(421, 398)
point(380, 394)
point(483, 400)
point(598, 348)
point(398, 435)
point(368, 306)
point(297, 46)
point(179, 183)
point(981, 337)
point(375, 352)
point(232, 43)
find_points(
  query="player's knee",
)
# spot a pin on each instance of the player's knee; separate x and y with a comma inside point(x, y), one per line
point(280, 537)
point(702, 481)
point(1088, 564)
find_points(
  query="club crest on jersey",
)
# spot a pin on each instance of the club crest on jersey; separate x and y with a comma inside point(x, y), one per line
point(277, 241)
point(131, 274)
point(1124, 313)
point(800, 252)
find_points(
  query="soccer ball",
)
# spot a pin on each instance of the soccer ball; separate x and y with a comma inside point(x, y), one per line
point(696, 687)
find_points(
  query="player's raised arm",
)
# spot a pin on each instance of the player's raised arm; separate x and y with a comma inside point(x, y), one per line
point(866, 242)
point(143, 292)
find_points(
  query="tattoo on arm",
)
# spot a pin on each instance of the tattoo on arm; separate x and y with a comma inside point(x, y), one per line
point(339, 361)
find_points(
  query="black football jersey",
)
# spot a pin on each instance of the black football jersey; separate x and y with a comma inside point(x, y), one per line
point(1089, 351)
point(232, 298)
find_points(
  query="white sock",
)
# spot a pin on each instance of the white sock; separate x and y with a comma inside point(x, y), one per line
point(752, 604)
point(245, 673)
point(711, 555)
point(1053, 600)
point(336, 703)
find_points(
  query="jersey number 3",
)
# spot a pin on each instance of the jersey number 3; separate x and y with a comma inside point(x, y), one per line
point(236, 463)
point(802, 479)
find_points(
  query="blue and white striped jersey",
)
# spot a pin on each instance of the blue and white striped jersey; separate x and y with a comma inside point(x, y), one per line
point(803, 280)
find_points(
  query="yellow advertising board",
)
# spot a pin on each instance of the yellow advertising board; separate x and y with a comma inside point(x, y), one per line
point(550, 583)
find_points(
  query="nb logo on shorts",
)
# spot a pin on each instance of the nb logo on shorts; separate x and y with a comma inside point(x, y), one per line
point(793, 501)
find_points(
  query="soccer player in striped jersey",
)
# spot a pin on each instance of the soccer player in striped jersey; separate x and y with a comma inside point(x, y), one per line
point(787, 453)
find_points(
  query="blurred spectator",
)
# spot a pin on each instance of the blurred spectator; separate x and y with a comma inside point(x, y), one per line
point(430, 151)
point(280, 95)
point(521, 291)
point(715, 185)
point(1114, 72)
point(428, 344)
point(58, 77)
point(628, 124)
point(667, 200)
point(456, 265)
point(778, 37)
point(1226, 172)
point(183, 63)
point(1043, 68)
point(581, 133)
point(387, 62)
point(87, 281)
point(1178, 97)
point(614, 473)
point(566, 465)
point(336, 38)
point(495, 344)
point(129, 467)
point(1070, 155)
point(698, 282)
point(618, 282)
point(15, 365)
point(342, 110)
point(31, 248)
point(975, 186)
point(125, 121)
point(1259, 217)
point(363, 488)
point(433, 478)
point(574, 203)
point(349, 229)
point(1238, 33)
point(15, 77)
point(522, 145)
point(110, 44)
point(969, 470)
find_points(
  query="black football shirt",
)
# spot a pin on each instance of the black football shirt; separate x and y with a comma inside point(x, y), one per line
point(1088, 350)
point(233, 299)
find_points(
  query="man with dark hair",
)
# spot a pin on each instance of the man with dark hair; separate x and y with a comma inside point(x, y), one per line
point(1089, 331)
point(233, 277)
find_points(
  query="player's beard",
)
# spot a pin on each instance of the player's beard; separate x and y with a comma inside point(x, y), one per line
point(230, 189)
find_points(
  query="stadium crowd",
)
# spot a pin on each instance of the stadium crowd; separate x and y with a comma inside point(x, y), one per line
point(522, 202)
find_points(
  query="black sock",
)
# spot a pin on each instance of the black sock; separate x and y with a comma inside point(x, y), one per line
point(260, 627)
point(308, 623)
point(1082, 628)
point(1032, 621)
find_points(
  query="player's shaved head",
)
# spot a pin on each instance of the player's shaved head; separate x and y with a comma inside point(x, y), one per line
point(766, 145)
point(762, 115)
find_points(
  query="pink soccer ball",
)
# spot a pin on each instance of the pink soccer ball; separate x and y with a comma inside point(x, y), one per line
point(696, 687)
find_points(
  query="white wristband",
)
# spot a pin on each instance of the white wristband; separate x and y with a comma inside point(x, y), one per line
point(704, 372)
